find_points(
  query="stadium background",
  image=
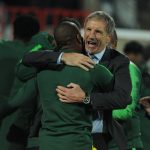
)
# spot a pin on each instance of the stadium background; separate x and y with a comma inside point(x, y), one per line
point(132, 17)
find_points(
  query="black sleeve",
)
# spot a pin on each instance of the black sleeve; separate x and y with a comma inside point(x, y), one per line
point(34, 62)
point(119, 97)
point(41, 59)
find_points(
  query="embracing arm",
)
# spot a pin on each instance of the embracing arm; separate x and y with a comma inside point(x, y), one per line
point(49, 59)
point(119, 97)
point(100, 76)
point(41, 59)
point(35, 61)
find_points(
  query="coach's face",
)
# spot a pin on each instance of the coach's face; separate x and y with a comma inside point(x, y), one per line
point(95, 36)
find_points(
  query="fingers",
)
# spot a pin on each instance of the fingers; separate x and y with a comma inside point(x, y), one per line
point(62, 97)
point(83, 67)
point(144, 101)
point(145, 104)
point(63, 101)
point(62, 88)
point(80, 60)
point(61, 92)
point(72, 85)
point(67, 101)
point(87, 64)
point(85, 58)
point(90, 61)
point(145, 98)
point(85, 61)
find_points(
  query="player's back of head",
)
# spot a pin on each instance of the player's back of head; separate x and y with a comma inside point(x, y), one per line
point(25, 26)
point(67, 34)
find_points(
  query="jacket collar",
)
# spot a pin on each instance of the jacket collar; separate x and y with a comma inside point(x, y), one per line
point(107, 55)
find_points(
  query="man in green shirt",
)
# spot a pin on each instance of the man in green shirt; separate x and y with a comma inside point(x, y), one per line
point(11, 52)
point(19, 96)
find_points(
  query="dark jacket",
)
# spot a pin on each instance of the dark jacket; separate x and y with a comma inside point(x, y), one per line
point(118, 64)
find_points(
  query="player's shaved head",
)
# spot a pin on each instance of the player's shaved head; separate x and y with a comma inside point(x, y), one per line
point(66, 33)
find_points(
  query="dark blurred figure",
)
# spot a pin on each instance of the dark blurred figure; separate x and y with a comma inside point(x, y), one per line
point(146, 71)
point(17, 2)
point(145, 102)
point(145, 123)
point(24, 27)
point(134, 51)
point(11, 51)
point(147, 52)
point(73, 4)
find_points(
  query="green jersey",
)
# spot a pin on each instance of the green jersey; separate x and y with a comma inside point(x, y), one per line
point(136, 79)
point(19, 95)
point(10, 53)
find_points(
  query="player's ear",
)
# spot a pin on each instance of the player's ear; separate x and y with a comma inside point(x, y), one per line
point(79, 38)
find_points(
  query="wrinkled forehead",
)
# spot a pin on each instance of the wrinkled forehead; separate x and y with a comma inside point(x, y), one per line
point(95, 23)
point(95, 18)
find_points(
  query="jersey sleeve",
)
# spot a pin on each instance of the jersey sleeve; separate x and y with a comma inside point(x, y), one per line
point(135, 94)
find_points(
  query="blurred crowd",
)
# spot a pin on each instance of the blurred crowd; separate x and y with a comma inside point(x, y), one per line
point(128, 14)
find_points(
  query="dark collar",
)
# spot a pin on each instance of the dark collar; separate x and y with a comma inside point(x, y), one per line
point(106, 59)
point(107, 55)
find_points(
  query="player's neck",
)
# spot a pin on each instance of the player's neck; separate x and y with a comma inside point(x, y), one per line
point(71, 48)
